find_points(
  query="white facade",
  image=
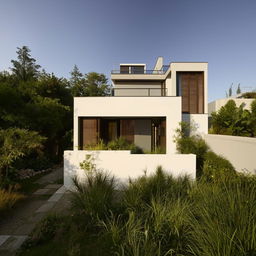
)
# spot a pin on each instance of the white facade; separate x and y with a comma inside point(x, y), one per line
point(149, 94)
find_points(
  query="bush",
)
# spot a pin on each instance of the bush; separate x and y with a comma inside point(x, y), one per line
point(193, 144)
point(233, 120)
point(159, 185)
point(216, 168)
point(95, 195)
point(8, 199)
point(224, 218)
point(45, 230)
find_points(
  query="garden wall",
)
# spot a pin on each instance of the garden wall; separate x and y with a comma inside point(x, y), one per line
point(123, 165)
point(240, 151)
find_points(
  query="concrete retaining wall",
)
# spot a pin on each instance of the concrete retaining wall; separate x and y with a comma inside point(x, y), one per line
point(240, 151)
point(123, 165)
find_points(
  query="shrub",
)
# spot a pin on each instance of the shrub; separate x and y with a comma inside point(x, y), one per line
point(8, 199)
point(95, 195)
point(224, 218)
point(216, 168)
point(45, 230)
point(159, 185)
point(233, 120)
point(155, 218)
point(193, 144)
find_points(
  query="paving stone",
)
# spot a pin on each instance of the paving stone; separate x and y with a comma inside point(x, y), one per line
point(55, 197)
point(53, 186)
point(42, 191)
point(46, 207)
point(3, 239)
point(61, 190)
point(13, 243)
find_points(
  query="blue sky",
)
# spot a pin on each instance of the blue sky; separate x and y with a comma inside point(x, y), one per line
point(98, 35)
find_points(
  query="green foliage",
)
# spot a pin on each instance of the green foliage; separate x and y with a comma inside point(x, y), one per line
point(25, 67)
point(15, 143)
point(45, 230)
point(191, 144)
point(94, 196)
point(224, 218)
point(8, 198)
point(157, 215)
point(233, 120)
point(216, 168)
point(117, 144)
point(90, 84)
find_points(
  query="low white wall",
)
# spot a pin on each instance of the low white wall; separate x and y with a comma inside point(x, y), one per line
point(123, 165)
point(240, 151)
point(217, 104)
point(199, 120)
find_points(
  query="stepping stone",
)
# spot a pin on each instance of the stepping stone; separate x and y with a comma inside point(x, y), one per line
point(46, 207)
point(13, 243)
point(42, 191)
point(55, 197)
point(53, 186)
point(61, 190)
point(3, 239)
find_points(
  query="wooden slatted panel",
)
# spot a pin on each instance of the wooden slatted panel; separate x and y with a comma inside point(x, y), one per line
point(185, 92)
point(200, 82)
point(163, 135)
point(90, 131)
point(127, 129)
point(193, 94)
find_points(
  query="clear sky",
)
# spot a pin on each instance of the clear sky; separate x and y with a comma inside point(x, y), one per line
point(97, 35)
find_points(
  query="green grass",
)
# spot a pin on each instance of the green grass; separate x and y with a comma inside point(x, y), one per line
point(155, 215)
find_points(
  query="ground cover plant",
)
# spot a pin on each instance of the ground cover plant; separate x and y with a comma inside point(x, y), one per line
point(153, 215)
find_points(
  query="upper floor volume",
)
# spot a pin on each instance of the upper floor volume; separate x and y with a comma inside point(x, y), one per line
point(187, 80)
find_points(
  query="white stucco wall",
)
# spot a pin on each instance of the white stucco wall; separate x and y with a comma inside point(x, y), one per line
point(199, 120)
point(240, 151)
point(123, 165)
point(169, 107)
point(217, 104)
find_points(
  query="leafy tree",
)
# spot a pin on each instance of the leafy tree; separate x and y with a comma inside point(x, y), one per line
point(96, 85)
point(25, 67)
point(90, 84)
point(77, 82)
point(15, 143)
point(238, 91)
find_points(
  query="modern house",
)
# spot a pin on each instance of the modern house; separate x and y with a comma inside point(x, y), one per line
point(145, 109)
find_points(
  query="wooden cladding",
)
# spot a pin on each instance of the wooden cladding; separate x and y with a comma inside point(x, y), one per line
point(190, 86)
point(89, 132)
point(127, 129)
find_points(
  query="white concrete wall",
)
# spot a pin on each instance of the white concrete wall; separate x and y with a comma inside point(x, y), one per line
point(169, 107)
point(240, 151)
point(199, 120)
point(123, 165)
point(217, 104)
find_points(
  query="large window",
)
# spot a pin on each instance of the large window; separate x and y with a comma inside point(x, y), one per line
point(145, 132)
point(190, 86)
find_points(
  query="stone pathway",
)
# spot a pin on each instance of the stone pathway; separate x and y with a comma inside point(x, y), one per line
point(16, 227)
